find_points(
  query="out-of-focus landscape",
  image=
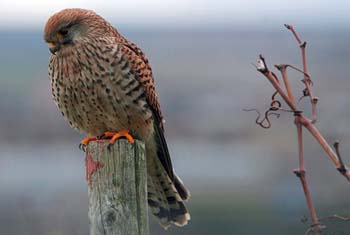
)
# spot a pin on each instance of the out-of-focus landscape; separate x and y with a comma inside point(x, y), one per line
point(239, 174)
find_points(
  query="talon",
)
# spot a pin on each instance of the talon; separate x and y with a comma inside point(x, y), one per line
point(109, 147)
point(82, 147)
point(85, 142)
point(117, 135)
point(100, 137)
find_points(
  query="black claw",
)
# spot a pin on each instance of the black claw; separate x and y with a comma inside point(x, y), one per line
point(109, 147)
point(99, 137)
point(82, 147)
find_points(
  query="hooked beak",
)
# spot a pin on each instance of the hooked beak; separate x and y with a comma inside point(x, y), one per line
point(53, 47)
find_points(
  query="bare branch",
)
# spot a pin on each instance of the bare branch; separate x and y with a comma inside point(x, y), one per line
point(283, 69)
point(300, 121)
point(306, 80)
point(291, 28)
point(342, 168)
point(339, 217)
point(262, 67)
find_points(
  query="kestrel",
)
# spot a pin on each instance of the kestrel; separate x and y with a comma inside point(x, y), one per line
point(103, 85)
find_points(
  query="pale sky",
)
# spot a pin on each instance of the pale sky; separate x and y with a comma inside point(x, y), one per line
point(188, 13)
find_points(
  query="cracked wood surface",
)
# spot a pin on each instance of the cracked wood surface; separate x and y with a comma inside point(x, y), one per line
point(118, 189)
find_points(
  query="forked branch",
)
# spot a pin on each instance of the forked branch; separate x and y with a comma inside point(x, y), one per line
point(284, 90)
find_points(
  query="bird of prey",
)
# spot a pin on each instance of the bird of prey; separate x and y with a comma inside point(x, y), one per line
point(103, 85)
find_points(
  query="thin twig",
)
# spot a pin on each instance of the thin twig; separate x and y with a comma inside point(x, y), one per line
point(283, 70)
point(335, 216)
point(279, 89)
point(306, 80)
point(301, 122)
point(308, 124)
point(301, 174)
point(291, 28)
point(342, 168)
point(299, 70)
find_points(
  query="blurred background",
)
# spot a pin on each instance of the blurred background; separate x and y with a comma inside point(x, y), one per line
point(240, 175)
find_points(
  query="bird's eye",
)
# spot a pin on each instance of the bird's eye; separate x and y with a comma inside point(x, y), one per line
point(64, 32)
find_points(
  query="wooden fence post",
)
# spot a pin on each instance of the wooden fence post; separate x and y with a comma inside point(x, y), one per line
point(117, 188)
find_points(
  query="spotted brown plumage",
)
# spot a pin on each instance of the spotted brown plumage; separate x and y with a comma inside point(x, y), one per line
point(102, 82)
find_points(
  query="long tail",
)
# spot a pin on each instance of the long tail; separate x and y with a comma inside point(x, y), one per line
point(166, 191)
point(165, 201)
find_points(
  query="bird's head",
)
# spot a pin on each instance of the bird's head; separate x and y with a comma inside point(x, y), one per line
point(68, 26)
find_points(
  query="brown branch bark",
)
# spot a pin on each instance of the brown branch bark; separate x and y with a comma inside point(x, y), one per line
point(301, 174)
point(283, 69)
point(302, 121)
point(307, 79)
point(308, 124)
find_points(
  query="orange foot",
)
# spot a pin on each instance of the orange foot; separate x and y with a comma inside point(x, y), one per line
point(85, 142)
point(116, 135)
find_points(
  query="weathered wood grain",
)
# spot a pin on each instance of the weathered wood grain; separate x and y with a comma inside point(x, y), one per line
point(117, 188)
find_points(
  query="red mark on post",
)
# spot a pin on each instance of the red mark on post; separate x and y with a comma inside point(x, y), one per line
point(91, 167)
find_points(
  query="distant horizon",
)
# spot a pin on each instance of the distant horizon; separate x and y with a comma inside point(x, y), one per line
point(253, 28)
point(189, 14)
